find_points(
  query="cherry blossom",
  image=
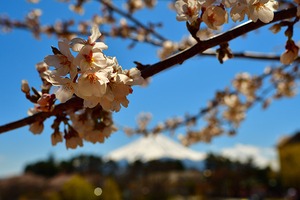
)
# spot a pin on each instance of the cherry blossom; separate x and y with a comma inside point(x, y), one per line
point(187, 10)
point(247, 85)
point(262, 10)
point(150, 3)
point(56, 137)
point(134, 5)
point(89, 130)
point(43, 69)
point(25, 87)
point(38, 126)
point(136, 77)
point(45, 102)
point(235, 111)
point(214, 16)
point(78, 43)
point(62, 60)
point(239, 10)
point(90, 57)
point(66, 87)
point(72, 139)
point(115, 97)
point(93, 83)
point(290, 54)
point(168, 48)
point(91, 75)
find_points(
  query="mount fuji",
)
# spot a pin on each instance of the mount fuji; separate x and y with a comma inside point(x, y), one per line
point(156, 147)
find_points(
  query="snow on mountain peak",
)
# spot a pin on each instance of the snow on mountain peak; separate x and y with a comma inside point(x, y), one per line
point(154, 147)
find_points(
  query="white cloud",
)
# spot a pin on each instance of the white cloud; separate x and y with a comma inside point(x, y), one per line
point(261, 156)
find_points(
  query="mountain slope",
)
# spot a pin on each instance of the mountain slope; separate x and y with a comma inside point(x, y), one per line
point(152, 148)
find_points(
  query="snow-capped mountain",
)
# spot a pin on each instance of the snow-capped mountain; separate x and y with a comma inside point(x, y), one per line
point(154, 147)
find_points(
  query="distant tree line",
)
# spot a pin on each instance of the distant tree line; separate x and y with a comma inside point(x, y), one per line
point(84, 164)
point(160, 179)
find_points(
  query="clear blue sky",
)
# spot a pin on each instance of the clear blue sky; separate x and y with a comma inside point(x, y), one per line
point(182, 89)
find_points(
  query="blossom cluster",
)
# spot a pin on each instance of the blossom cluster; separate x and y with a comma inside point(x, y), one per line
point(214, 14)
point(80, 68)
point(134, 5)
point(228, 109)
point(285, 83)
point(90, 75)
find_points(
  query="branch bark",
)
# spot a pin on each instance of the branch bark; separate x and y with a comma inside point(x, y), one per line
point(74, 104)
point(156, 68)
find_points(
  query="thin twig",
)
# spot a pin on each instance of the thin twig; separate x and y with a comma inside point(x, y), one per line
point(129, 16)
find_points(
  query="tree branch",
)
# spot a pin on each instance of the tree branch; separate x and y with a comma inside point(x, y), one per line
point(240, 30)
point(74, 104)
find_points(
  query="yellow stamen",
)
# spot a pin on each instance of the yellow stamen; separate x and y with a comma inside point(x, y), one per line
point(92, 78)
point(89, 57)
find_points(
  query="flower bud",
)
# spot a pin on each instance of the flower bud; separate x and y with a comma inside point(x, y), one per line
point(275, 28)
point(290, 54)
point(36, 127)
point(25, 87)
point(56, 137)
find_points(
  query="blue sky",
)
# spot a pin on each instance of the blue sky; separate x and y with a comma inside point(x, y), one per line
point(179, 90)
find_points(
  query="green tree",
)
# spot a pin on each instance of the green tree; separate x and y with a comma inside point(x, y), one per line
point(46, 168)
point(77, 188)
point(111, 190)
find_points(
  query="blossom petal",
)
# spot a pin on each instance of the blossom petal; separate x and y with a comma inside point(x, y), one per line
point(77, 43)
point(95, 34)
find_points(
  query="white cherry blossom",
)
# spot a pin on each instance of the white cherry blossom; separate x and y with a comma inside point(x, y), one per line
point(214, 17)
point(239, 10)
point(78, 43)
point(289, 55)
point(187, 10)
point(91, 75)
point(66, 86)
point(38, 126)
point(136, 77)
point(90, 58)
point(66, 90)
point(262, 10)
point(115, 97)
point(93, 83)
point(63, 61)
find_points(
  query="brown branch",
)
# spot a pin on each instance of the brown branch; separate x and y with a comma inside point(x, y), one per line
point(248, 55)
point(238, 31)
point(151, 70)
point(74, 104)
point(251, 55)
point(49, 29)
